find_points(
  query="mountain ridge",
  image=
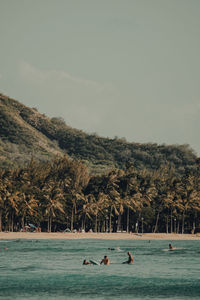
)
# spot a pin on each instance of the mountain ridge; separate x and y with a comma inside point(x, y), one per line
point(24, 133)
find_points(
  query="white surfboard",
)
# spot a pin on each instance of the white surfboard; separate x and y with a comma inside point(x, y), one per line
point(94, 262)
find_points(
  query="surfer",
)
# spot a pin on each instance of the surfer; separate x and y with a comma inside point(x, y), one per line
point(105, 261)
point(117, 248)
point(130, 259)
point(85, 262)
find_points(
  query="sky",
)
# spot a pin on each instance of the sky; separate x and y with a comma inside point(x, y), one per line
point(117, 68)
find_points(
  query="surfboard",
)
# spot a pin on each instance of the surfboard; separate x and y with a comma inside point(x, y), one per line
point(94, 262)
point(173, 249)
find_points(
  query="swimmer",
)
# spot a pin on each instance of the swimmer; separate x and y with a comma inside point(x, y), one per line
point(170, 247)
point(117, 248)
point(85, 262)
point(105, 261)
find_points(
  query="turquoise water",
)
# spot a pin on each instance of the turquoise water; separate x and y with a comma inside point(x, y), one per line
point(52, 269)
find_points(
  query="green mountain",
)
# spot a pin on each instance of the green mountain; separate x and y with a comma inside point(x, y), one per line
point(25, 133)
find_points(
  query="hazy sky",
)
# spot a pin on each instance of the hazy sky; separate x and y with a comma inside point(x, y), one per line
point(126, 68)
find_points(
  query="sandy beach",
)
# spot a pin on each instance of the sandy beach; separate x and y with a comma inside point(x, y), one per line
point(106, 236)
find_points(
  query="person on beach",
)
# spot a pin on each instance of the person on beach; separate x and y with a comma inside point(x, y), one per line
point(85, 262)
point(105, 261)
point(130, 259)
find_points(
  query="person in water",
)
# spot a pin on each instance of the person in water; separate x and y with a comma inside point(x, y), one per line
point(170, 247)
point(85, 262)
point(105, 261)
point(117, 248)
point(130, 259)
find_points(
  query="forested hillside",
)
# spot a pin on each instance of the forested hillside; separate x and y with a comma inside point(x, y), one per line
point(25, 133)
point(57, 177)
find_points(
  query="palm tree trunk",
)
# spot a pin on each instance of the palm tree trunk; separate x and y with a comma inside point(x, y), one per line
point(167, 220)
point(50, 223)
point(11, 222)
point(95, 228)
point(72, 219)
point(119, 222)
point(183, 220)
point(0, 220)
point(127, 220)
point(103, 226)
point(106, 224)
point(48, 226)
point(178, 225)
point(156, 225)
point(23, 222)
point(83, 222)
point(193, 227)
point(110, 220)
point(8, 224)
point(98, 226)
point(171, 224)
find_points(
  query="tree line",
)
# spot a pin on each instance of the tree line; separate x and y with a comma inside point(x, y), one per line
point(60, 194)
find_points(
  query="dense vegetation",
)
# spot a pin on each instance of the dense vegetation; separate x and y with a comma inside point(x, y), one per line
point(57, 177)
point(24, 133)
point(60, 194)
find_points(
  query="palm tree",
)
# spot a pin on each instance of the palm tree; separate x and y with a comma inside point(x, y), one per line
point(164, 180)
point(188, 195)
point(73, 176)
point(27, 205)
point(11, 208)
point(53, 197)
point(2, 199)
point(3, 194)
point(111, 189)
point(130, 193)
point(97, 207)
point(86, 209)
point(74, 197)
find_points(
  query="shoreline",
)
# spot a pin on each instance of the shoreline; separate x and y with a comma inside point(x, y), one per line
point(105, 236)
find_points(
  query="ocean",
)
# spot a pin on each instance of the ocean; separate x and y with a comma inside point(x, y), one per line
point(53, 269)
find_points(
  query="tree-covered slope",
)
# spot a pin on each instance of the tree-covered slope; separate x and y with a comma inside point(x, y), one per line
point(24, 132)
point(19, 140)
